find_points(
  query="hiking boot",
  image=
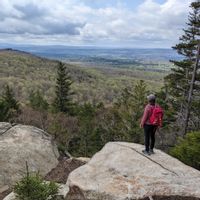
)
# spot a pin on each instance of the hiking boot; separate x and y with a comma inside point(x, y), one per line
point(151, 151)
point(146, 152)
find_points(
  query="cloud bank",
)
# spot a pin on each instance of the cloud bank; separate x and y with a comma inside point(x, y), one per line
point(79, 22)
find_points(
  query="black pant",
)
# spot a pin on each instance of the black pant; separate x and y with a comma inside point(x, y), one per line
point(149, 133)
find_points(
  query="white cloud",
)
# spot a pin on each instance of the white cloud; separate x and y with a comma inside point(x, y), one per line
point(74, 22)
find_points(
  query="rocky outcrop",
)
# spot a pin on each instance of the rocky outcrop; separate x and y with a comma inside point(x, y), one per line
point(4, 126)
point(20, 144)
point(120, 171)
point(59, 174)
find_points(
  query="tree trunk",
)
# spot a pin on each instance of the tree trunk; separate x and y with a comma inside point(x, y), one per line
point(190, 93)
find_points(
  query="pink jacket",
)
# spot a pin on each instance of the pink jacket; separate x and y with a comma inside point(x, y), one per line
point(147, 113)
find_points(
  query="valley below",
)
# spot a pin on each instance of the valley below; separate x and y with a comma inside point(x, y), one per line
point(98, 75)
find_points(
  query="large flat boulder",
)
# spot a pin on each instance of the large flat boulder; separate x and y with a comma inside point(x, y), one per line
point(120, 171)
point(20, 144)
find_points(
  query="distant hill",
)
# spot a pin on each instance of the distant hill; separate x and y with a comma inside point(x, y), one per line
point(25, 72)
point(103, 56)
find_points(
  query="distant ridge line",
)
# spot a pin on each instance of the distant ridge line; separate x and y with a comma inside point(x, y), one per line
point(16, 50)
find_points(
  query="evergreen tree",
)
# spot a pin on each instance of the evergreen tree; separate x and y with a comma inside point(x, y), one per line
point(187, 150)
point(9, 106)
point(139, 98)
point(37, 101)
point(127, 113)
point(63, 102)
point(87, 140)
point(32, 187)
point(3, 111)
point(183, 82)
point(169, 112)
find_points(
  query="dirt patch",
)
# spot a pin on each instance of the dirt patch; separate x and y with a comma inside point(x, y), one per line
point(5, 193)
point(75, 194)
point(61, 172)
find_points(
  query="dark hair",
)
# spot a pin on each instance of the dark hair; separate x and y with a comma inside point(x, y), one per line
point(152, 101)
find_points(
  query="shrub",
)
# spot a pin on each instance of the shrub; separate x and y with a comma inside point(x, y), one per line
point(32, 187)
point(187, 150)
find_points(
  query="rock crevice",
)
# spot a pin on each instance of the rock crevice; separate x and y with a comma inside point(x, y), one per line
point(4, 127)
point(149, 159)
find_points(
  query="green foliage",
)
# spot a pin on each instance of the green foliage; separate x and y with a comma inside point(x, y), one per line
point(187, 150)
point(96, 125)
point(37, 101)
point(131, 108)
point(9, 106)
point(4, 111)
point(178, 81)
point(113, 126)
point(63, 102)
point(169, 111)
point(120, 122)
point(92, 124)
point(88, 140)
point(32, 187)
point(25, 72)
point(139, 98)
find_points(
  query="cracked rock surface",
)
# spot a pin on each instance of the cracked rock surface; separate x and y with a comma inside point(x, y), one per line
point(120, 171)
point(4, 126)
point(20, 144)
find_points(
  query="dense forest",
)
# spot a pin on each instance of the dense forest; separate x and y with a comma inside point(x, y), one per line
point(25, 73)
point(85, 108)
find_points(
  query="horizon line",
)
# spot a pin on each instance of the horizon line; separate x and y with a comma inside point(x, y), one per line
point(10, 45)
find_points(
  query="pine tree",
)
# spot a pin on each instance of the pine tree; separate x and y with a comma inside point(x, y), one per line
point(3, 111)
point(63, 102)
point(9, 105)
point(183, 82)
point(37, 101)
point(140, 98)
point(127, 112)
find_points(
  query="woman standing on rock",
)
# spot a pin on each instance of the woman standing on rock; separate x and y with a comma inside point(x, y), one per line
point(151, 119)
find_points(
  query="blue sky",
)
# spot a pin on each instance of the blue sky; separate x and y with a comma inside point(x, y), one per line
point(121, 23)
point(132, 4)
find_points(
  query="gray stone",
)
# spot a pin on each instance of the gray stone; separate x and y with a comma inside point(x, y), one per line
point(11, 196)
point(83, 159)
point(120, 172)
point(4, 188)
point(63, 191)
point(21, 144)
point(4, 126)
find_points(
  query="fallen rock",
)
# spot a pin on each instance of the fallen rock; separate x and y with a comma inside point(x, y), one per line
point(121, 172)
point(21, 144)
